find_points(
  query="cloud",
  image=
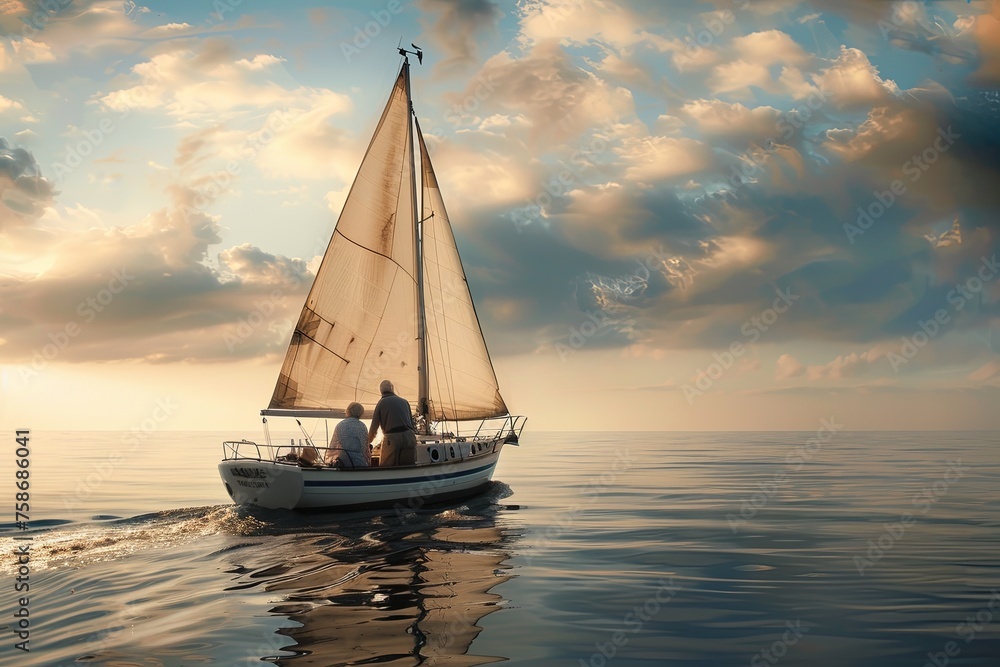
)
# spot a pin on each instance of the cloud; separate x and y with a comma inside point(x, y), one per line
point(250, 107)
point(24, 192)
point(545, 236)
point(788, 366)
point(852, 82)
point(168, 30)
point(475, 176)
point(738, 76)
point(147, 291)
point(633, 74)
point(914, 27)
point(91, 28)
point(12, 7)
point(9, 105)
point(769, 47)
point(655, 159)
point(845, 366)
point(213, 81)
point(883, 131)
point(990, 371)
point(784, 226)
point(986, 32)
point(251, 265)
point(715, 118)
point(458, 25)
point(586, 21)
point(559, 99)
point(28, 51)
point(309, 145)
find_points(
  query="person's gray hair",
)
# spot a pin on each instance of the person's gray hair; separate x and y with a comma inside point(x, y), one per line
point(355, 410)
point(385, 387)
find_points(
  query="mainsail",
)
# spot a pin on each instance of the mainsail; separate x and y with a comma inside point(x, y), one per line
point(361, 321)
point(358, 324)
point(462, 383)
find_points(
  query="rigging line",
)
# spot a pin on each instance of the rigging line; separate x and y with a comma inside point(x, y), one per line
point(441, 320)
point(308, 337)
point(436, 350)
point(446, 355)
point(440, 336)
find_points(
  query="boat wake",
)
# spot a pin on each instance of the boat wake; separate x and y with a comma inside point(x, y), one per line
point(59, 543)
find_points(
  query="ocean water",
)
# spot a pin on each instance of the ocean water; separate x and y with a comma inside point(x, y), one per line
point(824, 548)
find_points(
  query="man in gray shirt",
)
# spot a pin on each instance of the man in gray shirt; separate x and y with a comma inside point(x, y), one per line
point(399, 442)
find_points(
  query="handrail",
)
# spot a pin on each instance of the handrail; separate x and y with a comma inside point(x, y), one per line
point(508, 431)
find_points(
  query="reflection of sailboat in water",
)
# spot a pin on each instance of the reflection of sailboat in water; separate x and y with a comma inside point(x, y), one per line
point(408, 593)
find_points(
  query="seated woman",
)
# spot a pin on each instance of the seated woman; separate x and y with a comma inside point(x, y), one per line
point(349, 444)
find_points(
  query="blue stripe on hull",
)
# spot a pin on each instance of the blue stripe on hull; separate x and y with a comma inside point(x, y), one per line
point(402, 480)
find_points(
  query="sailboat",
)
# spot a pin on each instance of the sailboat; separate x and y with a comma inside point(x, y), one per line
point(390, 300)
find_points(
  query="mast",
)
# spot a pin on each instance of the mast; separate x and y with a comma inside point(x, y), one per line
point(422, 391)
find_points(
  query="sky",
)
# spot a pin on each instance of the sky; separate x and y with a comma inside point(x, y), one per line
point(720, 215)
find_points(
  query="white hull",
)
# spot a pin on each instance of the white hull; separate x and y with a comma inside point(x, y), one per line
point(462, 470)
